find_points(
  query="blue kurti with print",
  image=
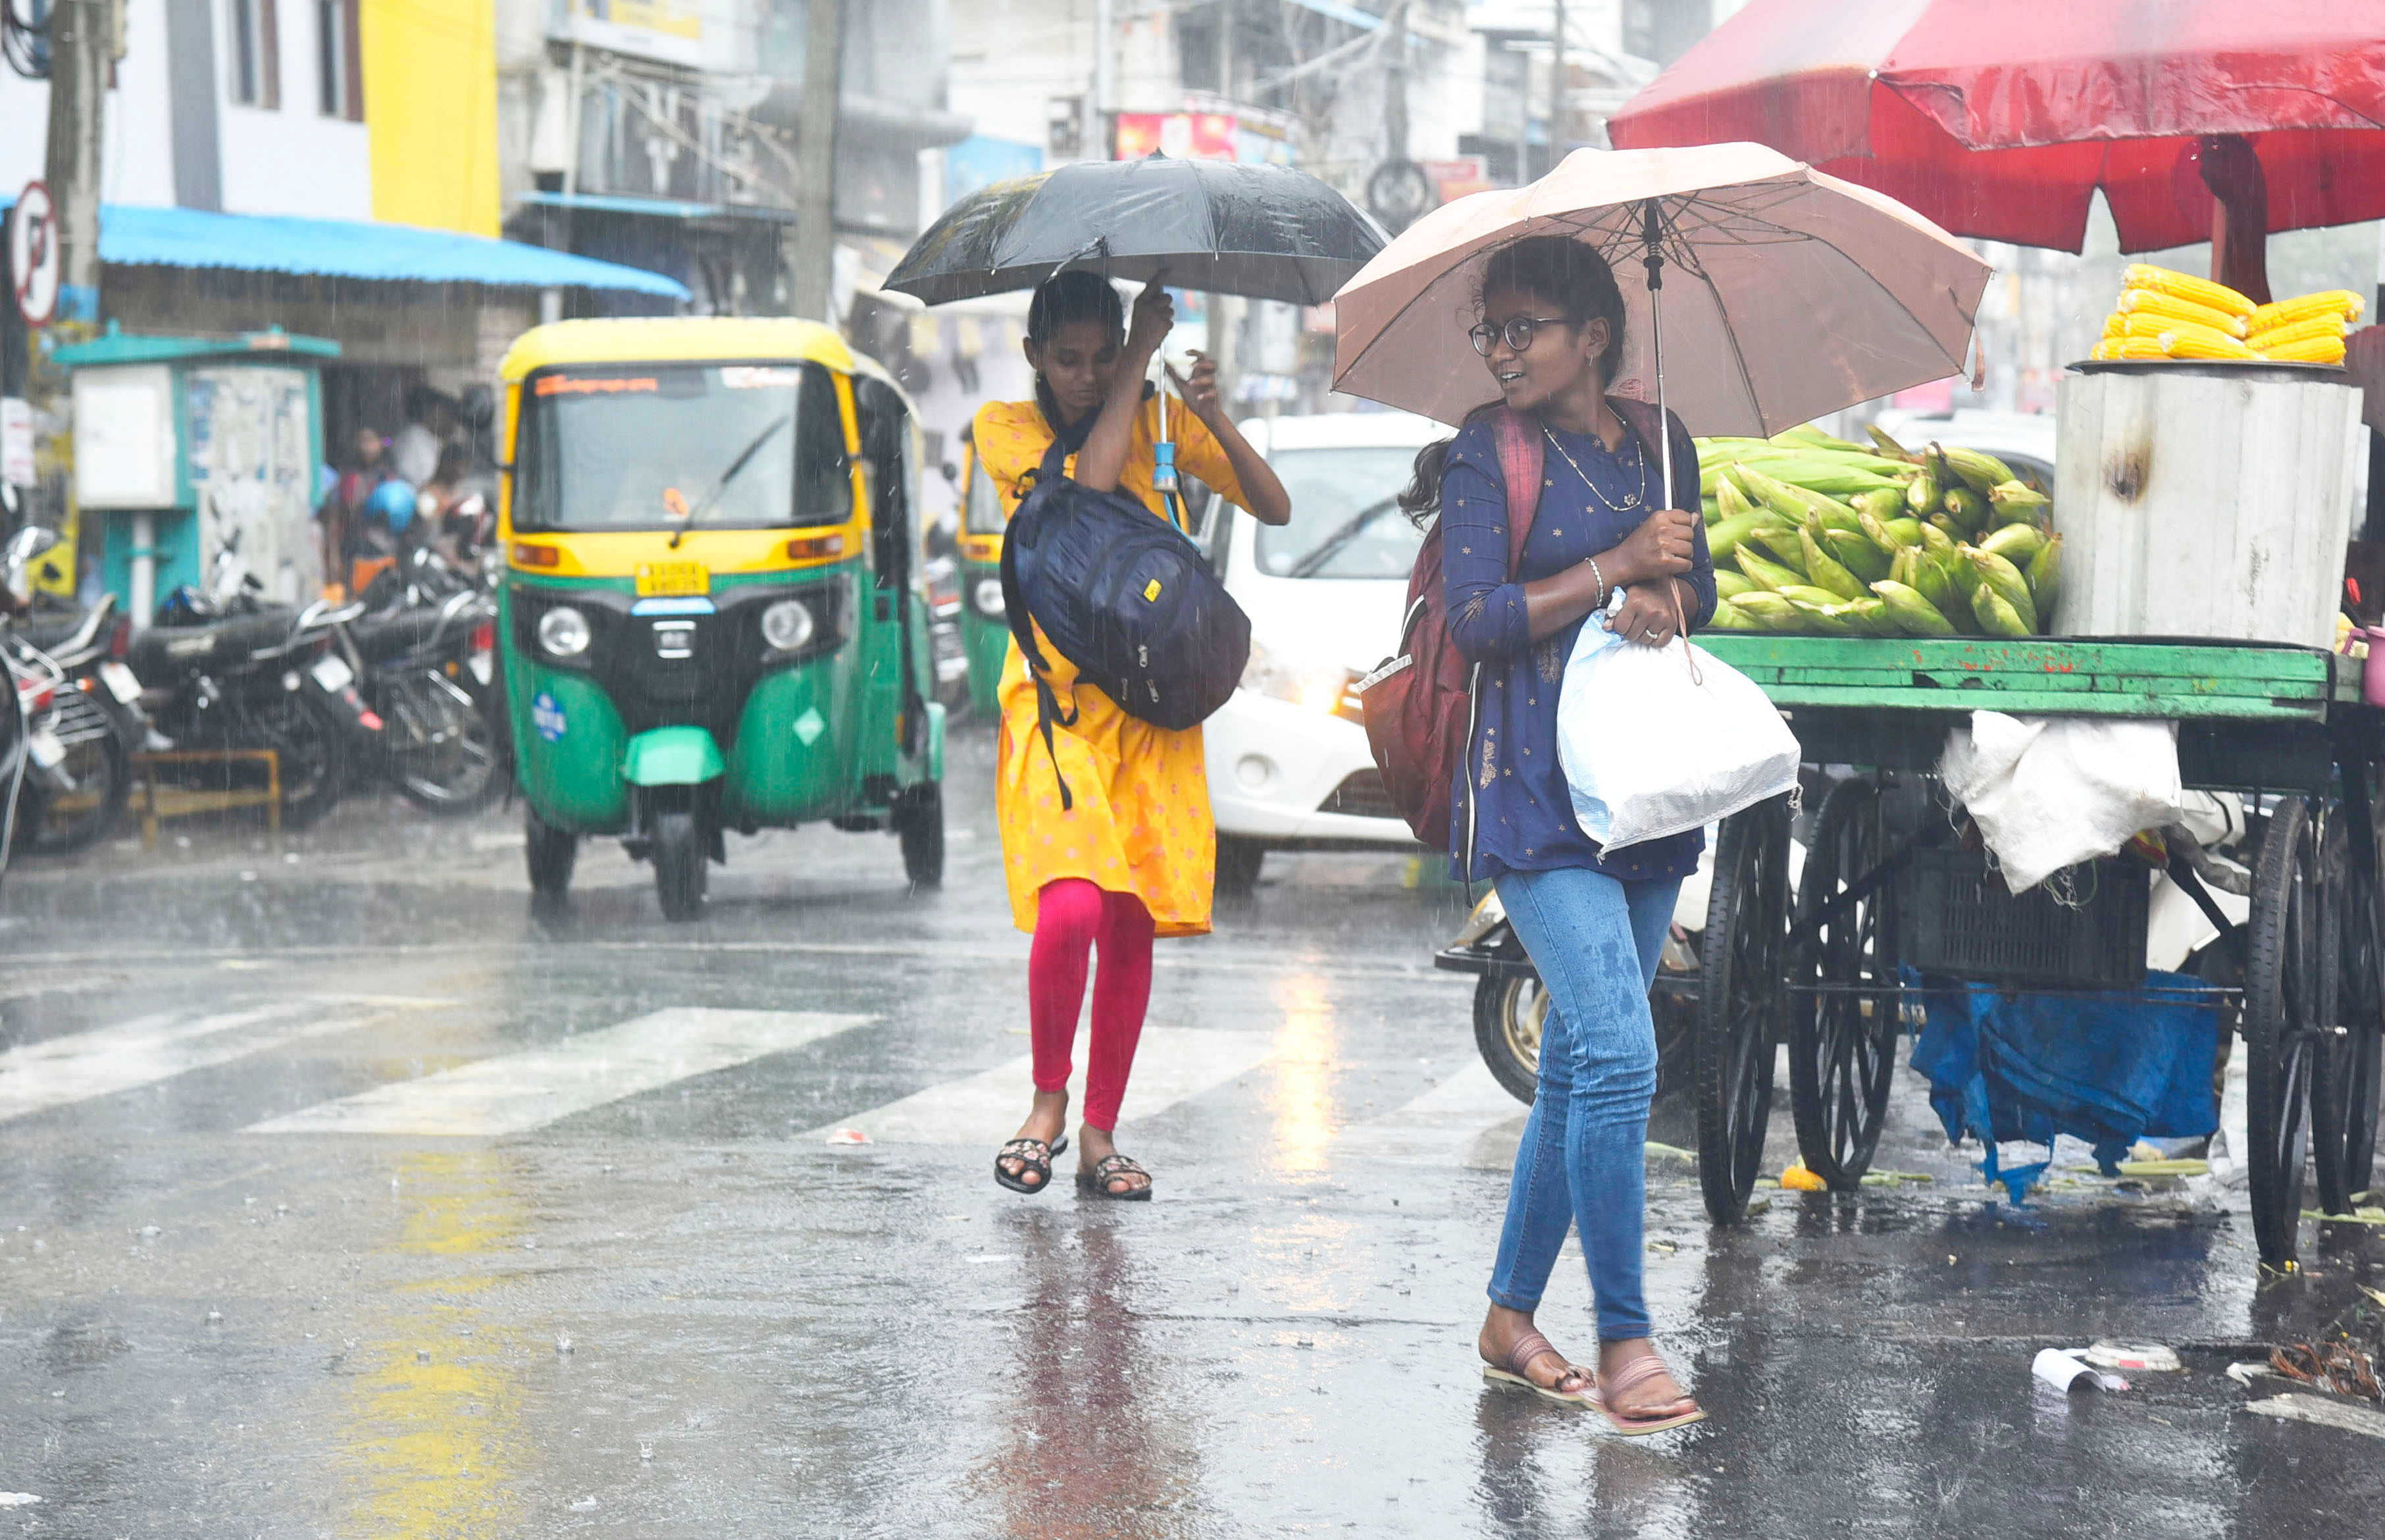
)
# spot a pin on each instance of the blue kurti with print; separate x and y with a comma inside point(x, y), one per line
point(1524, 819)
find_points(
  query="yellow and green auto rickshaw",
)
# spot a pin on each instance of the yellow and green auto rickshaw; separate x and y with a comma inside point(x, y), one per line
point(985, 630)
point(713, 617)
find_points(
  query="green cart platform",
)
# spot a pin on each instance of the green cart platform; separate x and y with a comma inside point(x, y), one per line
point(2299, 978)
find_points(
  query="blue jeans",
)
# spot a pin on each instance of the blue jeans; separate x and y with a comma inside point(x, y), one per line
point(1596, 942)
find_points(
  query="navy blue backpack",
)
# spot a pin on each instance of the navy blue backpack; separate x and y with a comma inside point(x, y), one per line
point(1128, 600)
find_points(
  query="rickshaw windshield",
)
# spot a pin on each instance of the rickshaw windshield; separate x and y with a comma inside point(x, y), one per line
point(981, 511)
point(723, 446)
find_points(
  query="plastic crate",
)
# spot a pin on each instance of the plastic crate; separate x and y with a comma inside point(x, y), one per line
point(1958, 919)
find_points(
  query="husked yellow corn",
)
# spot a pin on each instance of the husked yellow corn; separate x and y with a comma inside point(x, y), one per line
point(2199, 341)
point(2152, 302)
point(2115, 325)
point(2343, 304)
point(2135, 347)
point(2200, 291)
point(2301, 330)
point(2310, 350)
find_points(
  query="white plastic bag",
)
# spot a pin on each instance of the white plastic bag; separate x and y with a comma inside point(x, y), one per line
point(1651, 751)
point(2050, 792)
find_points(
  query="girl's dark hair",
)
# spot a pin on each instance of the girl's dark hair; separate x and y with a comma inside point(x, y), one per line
point(1567, 274)
point(1069, 295)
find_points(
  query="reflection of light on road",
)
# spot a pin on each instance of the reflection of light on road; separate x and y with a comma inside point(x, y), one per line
point(1304, 1060)
point(432, 1445)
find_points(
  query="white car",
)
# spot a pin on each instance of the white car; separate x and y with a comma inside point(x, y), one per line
point(1288, 767)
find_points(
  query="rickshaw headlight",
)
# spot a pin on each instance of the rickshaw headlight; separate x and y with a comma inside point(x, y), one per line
point(787, 625)
point(988, 596)
point(563, 631)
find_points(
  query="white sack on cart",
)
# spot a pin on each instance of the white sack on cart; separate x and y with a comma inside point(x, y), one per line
point(2050, 792)
point(1650, 750)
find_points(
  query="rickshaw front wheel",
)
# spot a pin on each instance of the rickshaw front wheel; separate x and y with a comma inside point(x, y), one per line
point(919, 823)
point(678, 855)
point(551, 851)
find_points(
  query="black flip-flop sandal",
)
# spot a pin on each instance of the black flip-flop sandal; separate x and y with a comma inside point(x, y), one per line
point(1107, 1170)
point(1033, 1155)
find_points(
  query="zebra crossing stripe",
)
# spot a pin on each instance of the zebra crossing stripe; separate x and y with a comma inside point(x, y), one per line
point(1170, 1064)
point(58, 1071)
point(514, 1093)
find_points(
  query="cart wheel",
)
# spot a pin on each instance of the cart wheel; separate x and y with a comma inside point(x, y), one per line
point(1842, 1046)
point(1508, 1017)
point(2344, 1073)
point(552, 852)
point(1739, 994)
point(2288, 988)
point(919, 823)
point(679, 864)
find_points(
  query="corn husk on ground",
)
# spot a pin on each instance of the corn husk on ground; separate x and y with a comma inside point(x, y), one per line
point(1814, 537)
point(2163, 314)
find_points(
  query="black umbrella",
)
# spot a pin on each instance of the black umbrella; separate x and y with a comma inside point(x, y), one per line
point(1260, 231)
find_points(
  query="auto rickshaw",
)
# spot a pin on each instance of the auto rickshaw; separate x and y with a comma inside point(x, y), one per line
point(985, 629)
point(712, 609)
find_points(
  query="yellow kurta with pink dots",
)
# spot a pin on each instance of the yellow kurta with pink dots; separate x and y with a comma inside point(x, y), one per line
point(1141, 822)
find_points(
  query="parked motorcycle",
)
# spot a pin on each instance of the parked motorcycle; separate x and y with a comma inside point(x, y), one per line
point(79, 713)
point(223, 671)
point(425, 649)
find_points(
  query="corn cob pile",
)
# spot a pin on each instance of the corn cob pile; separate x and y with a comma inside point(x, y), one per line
point(2170, 315)
point(1812, 536)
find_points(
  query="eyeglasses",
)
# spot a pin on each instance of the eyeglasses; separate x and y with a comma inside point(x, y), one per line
point(1519, 331)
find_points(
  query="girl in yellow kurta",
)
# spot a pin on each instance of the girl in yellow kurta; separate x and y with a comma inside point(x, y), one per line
point(1134, 855)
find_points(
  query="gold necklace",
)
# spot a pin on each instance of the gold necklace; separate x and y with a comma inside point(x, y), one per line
point(1630, 500)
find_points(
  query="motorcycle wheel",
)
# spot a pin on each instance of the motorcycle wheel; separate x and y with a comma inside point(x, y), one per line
point(1508, 1014)
point(101, 770)
point(919, 822)
point(447, 760)
point(314, 766)
point(679, 865)
point(552, 854)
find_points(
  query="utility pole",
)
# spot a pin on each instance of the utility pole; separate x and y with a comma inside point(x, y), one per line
point(816, 161)
point(1222, 320)
point(1396, 83)
point(83, 41)
point(1558, 142)
point(1097, 138)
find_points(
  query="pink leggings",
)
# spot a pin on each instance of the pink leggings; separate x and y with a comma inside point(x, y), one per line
point(1071, 916)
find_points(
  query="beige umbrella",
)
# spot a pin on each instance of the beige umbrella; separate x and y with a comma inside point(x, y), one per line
point(1786, 294)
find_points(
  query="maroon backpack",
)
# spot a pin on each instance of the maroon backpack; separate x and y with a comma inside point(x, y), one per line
point(1419, 704)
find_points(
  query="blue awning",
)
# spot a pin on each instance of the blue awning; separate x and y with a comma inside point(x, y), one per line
point(140, 237)
point(658, 209)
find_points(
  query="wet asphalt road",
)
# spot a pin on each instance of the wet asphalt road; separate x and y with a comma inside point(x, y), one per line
point(326, 1210)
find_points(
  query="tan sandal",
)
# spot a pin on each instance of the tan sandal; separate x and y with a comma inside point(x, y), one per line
point(1530, 1346)
point(1639, 1371)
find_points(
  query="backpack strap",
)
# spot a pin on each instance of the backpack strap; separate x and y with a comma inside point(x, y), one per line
point(1022, 625)
point(1522, 451)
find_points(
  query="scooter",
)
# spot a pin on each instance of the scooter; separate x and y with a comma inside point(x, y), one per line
point(425, 651)
point(80, 720)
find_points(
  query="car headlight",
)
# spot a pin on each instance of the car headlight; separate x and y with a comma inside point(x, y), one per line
point(788, 624)
point(563, 631)
point(1317, 686)
point(988, 596)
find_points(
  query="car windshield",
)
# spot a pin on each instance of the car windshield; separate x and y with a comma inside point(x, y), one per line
point(1345, 519)
point(737, 446)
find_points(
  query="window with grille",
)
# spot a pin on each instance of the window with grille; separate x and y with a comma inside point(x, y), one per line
point(339, 67)
point(253, 34)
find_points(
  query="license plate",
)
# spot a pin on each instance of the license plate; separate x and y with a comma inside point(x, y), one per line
point(121, 682)
point(333, 673)
point(483, 666)
point(47, 752)
point(667, 578)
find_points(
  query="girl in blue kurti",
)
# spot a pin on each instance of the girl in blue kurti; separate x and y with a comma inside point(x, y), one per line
point(1551, 330)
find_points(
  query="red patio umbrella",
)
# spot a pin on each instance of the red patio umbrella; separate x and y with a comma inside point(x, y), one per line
point(1998, 119)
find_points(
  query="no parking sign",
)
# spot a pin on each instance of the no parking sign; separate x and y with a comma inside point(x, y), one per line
point(33, 254)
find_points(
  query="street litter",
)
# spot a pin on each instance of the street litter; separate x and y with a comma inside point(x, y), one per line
point(1797, 1179)
point(18, 1499)
point(2141, 1358)
point(2359, 1216)
point(2165, 1168)
point(2063, 1372)
point(1894, 1179)
point(2322, 1410)
point(2335, 1367)
point(1656, 1151)
point(848, 1136)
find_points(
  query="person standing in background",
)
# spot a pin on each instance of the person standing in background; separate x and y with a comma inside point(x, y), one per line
point(430, 427)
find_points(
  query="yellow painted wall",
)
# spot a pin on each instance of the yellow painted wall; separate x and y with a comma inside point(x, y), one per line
point(430, 111)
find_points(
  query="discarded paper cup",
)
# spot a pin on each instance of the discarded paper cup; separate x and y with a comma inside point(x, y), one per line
point(848, 1136)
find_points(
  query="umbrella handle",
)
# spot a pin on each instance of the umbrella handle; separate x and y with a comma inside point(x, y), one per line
point(1652, 229)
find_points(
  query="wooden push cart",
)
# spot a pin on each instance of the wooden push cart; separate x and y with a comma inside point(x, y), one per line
point(1885, 887)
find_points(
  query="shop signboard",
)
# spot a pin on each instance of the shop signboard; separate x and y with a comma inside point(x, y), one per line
point(1180, 135)
point(670, 31)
